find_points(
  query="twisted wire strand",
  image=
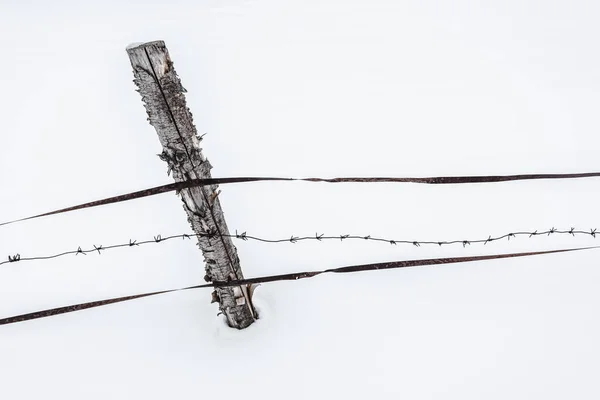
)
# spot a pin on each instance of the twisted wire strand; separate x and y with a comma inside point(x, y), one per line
point(16, 257)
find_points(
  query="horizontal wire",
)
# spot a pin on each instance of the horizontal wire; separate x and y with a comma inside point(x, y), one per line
point(283, 277)
point(294, 239)
point(178, 186)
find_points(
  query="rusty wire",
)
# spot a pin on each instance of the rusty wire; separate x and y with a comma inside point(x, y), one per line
point(284, 277)
point(178, 186)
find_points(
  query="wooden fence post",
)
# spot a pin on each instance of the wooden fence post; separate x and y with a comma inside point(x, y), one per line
point(164, 99)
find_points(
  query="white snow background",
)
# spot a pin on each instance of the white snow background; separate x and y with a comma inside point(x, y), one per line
point(305, 88)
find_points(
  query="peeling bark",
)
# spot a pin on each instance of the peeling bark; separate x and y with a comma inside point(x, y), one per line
point(164, 99)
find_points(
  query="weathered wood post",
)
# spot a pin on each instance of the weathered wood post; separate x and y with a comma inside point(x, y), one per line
point(164, 99)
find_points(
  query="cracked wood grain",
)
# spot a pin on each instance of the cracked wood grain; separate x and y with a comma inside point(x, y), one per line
point(164, 99)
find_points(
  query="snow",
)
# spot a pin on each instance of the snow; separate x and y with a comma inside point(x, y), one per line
point(305, 89)
point(133, 45)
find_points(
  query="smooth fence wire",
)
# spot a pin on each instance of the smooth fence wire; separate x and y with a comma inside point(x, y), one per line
point(178, 186)
point(285, 277)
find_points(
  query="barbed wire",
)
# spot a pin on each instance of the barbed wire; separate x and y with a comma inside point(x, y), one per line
point(16, 257)
point(434, 180)
point(284, 277)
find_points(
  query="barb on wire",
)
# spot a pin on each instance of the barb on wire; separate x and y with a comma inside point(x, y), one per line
point(437, 180)
point(285, 277)
point(317, 237)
